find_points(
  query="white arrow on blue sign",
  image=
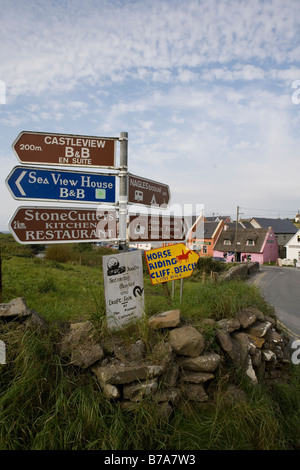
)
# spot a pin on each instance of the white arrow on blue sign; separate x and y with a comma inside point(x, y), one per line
point(39, 184)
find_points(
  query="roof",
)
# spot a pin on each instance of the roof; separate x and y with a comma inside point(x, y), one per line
point(278, 225)
point(204, 229)
point(256, 234)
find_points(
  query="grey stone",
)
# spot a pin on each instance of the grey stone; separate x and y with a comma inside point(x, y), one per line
point(268, 355)
point(274, 337)
point(259, 329)
point(256, 358)
point(162, 352)
point(15, 308)
point(123, 374)
point(138, 391)
point(197, 377)
point(206, 363)
point(110, 391)
point(187, 341)
point(234, 395)
point(167, 319)
point(246, 317)
point(250, 372)
point(236, 350)
point(171, 395)
point(230, 324)
point(171, 375)
point(80, 346)
point(36, 321)
point(195, 392)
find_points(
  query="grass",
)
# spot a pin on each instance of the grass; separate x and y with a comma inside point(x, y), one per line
point(45, 405)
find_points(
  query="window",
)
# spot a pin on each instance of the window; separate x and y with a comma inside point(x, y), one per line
point(227, 242)
point(204, 250)
point(250, 242)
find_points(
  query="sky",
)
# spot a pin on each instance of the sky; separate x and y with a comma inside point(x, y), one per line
point(208, 91)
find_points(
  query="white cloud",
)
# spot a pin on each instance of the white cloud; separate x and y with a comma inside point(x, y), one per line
point(61, 44)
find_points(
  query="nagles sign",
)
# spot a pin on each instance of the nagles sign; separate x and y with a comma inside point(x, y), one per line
point(156, 228)
point(147, 192)
point(170, 262)
point(124, 288)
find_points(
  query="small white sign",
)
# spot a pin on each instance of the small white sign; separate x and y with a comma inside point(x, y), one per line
point(2, 352)
point(124, 288)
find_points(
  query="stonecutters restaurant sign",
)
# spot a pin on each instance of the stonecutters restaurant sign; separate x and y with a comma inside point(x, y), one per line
point(124, 288)
point(31, 225)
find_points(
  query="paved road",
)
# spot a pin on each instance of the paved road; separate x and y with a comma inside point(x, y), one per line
point(280, 286)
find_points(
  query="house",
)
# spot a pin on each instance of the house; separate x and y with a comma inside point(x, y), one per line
point(225, 218)
point(250, 245)
point(293, 247)
point(284, 230)
point(203, 236)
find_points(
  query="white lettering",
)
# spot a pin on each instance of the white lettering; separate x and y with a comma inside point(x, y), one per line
point(85, 153)
point(296, 354)
point(69, 152)
point(295, 95)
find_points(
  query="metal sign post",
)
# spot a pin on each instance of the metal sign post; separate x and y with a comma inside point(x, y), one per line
point(123, 194)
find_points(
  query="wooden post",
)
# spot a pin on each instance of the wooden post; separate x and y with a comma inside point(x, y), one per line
point(166, 291)
point(181, 289)
point(173, 289)
point(1, 298)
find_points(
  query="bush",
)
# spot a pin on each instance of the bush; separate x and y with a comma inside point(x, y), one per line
point(207, 264)
point(82, 253)
point(60, 253)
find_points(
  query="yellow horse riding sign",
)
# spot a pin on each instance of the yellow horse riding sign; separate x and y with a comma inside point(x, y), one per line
point(170, 262)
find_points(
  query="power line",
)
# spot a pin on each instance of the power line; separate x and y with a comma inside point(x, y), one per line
point(268, 210)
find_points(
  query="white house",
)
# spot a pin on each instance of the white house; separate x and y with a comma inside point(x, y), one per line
point(293, 247)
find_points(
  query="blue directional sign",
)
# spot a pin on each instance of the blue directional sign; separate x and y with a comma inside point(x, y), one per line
point(53, 185)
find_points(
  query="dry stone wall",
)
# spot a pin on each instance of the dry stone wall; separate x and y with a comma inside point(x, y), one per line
point(184, 363)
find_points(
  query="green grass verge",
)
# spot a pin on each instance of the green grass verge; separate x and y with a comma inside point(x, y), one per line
point(46, 405)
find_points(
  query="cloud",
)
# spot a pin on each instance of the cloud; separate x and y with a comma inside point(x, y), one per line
point(56, 46)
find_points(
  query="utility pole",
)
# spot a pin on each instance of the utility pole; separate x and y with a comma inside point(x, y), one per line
point(236, 232)
point(123, 199)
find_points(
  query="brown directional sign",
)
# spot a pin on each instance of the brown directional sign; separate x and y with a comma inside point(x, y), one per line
point(31, 225)
point(147, 192)
point(157, 228)
point(65, 149)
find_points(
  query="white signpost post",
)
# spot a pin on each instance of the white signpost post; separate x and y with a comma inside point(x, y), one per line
point(124, 288)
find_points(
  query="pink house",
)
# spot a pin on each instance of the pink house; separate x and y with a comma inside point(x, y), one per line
point(251, 245)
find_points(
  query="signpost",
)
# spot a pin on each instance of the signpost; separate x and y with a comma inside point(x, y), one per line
point(65, 149)
point(147, 192)
point(157, 228)
point(32, 225)
point(124, 289)
point(39, 184)
point(170, 263)
point(123, 272)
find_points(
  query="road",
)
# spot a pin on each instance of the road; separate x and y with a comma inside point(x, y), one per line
point(280, 286)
